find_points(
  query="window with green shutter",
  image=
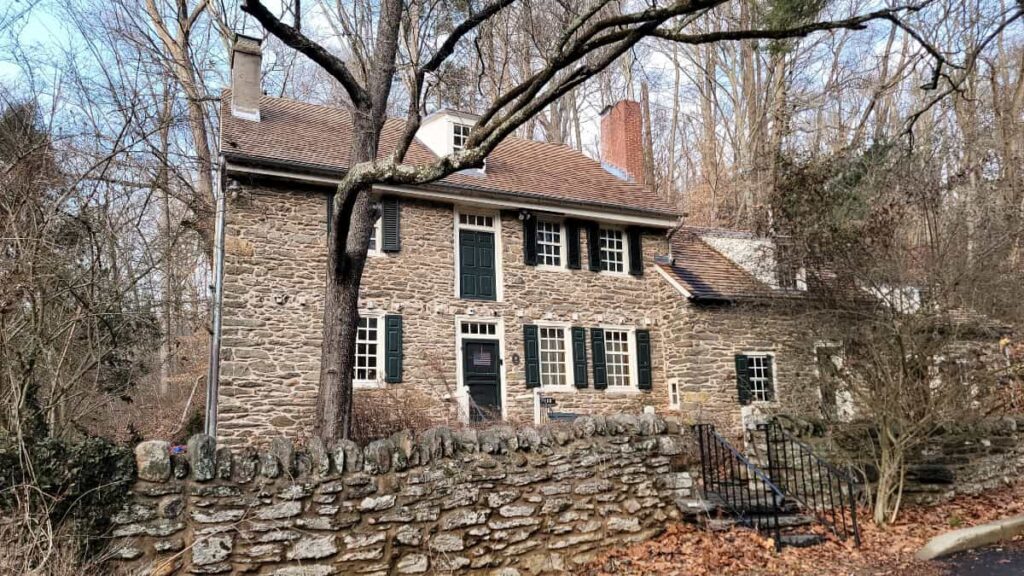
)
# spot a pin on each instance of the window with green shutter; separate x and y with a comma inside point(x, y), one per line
point(477, 270)
point(531, 355)
point(636, 251)
point(529, 239)
point(594, 246)
point(579, 356)
point(572, 233)
point(755, 378)
point(389, 218)
point(598, 355)
point(643, 359)
point(392, 348)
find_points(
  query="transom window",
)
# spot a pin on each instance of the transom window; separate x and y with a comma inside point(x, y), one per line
point(552, 356)
point(759, 373)
point(613, 250)
point(479, 328)
point(367, 365)
point(460, 135)
point(549, 243)
point(616, 357)
point(476, 220)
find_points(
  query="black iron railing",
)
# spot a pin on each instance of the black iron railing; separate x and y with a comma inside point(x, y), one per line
point(741, 486)
point(818, 486)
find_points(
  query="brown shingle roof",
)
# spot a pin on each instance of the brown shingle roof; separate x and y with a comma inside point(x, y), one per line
point(319, 137)
point(707, 274)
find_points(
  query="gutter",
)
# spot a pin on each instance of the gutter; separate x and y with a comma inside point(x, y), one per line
point(216, 304)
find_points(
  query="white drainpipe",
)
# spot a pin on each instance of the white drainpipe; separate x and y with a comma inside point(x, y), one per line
point(216, 299)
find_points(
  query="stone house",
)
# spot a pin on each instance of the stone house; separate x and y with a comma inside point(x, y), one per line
point(544, 277)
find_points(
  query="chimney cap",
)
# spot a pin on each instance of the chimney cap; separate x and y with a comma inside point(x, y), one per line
point(247, 44)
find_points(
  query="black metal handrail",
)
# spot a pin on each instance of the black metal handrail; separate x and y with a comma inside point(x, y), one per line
point(741, 486)
point(818, 485)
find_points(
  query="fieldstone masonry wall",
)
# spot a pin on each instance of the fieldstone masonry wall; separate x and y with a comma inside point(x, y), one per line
point(498, 500)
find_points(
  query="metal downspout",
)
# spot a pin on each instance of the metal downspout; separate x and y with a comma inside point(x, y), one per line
point(216, 299)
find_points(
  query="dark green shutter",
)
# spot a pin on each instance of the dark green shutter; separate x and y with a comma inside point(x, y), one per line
point(392, 348)
point(579, 356)
point(597, 351)
point(594, 246)
point(742, 380)
point(636, 251)
point(769, 372)
point(643, 359)
point(389, 214)
point(529, 239)
point(477, 265)
point(572, 231)
point(330, 210)
point(531, 352)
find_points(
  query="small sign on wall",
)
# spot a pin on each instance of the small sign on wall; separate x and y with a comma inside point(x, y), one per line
point(547, 401)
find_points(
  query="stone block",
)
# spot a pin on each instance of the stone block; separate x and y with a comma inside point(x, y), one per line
point(153, 460)
point(202, 457)
point(212, 549)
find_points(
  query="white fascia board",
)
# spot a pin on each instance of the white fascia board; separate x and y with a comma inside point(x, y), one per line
point(525, 204)
point(456, 198)
point(673, 282)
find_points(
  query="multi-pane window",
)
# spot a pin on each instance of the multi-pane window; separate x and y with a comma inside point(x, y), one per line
point(616, 357)
point(460, 135)
point(479, 328)
point(549, 243)
point(367, 349)
point(552, 356)
point(476, 220)
point(613, 250)
point(759, 374)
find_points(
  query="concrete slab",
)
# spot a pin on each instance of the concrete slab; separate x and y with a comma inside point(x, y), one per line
point(973, 537)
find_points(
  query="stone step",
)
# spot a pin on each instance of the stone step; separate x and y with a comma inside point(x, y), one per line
point(801, 540)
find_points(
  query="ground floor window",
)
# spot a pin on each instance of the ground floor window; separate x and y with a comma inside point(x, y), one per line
point(368, 347)
point(762, 386)
point(616, 350)
point(553, 363)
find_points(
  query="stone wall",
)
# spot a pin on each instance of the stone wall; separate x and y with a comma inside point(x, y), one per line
point(524, 501)
point(705, 340)
point(273, 310)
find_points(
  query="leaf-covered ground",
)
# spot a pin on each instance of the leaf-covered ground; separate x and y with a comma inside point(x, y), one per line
point(690, 550)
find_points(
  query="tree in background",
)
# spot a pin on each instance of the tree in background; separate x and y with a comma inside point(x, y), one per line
point(892, 261)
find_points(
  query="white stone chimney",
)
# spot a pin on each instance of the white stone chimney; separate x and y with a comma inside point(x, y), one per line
point(246, 60)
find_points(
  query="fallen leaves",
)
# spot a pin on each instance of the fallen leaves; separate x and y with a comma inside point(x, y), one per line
point(886, 550)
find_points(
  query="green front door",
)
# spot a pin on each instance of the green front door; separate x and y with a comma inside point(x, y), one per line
point(477, 276)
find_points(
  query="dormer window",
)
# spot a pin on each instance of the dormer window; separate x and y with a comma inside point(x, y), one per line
point(460, 135)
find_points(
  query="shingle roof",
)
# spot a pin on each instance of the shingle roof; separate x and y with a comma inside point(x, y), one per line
point(707, 274)
point(319, 137)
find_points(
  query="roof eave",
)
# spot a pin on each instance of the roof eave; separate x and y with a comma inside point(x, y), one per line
point(329, 175)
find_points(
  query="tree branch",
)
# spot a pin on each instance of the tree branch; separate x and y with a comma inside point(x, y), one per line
point(300, 42)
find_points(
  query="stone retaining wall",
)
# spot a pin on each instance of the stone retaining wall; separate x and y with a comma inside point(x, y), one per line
point(507, 500)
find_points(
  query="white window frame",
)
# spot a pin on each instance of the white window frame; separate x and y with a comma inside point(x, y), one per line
point(461, 393)
point(455, 125)
point(379, 381)
point(845, 410)
point(563, 255)
point(634, 384)
point(625, 250)
point(674, 397)
point(775, 377)
point(570, 375)
point(499, 275)
point(377, 235)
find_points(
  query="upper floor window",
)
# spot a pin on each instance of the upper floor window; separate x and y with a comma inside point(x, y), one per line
point(616, 351)
point(755, 378)
point(612, 243)
point(375, 240)
point(460, 135)
point(549, 243)
point(476, 256)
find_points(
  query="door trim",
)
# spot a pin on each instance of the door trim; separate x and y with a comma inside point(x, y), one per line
point(461, 393)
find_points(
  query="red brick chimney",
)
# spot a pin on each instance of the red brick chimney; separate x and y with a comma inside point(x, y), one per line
point(622, 140)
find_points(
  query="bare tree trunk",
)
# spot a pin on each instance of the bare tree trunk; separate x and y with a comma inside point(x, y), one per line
point(163, 185)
